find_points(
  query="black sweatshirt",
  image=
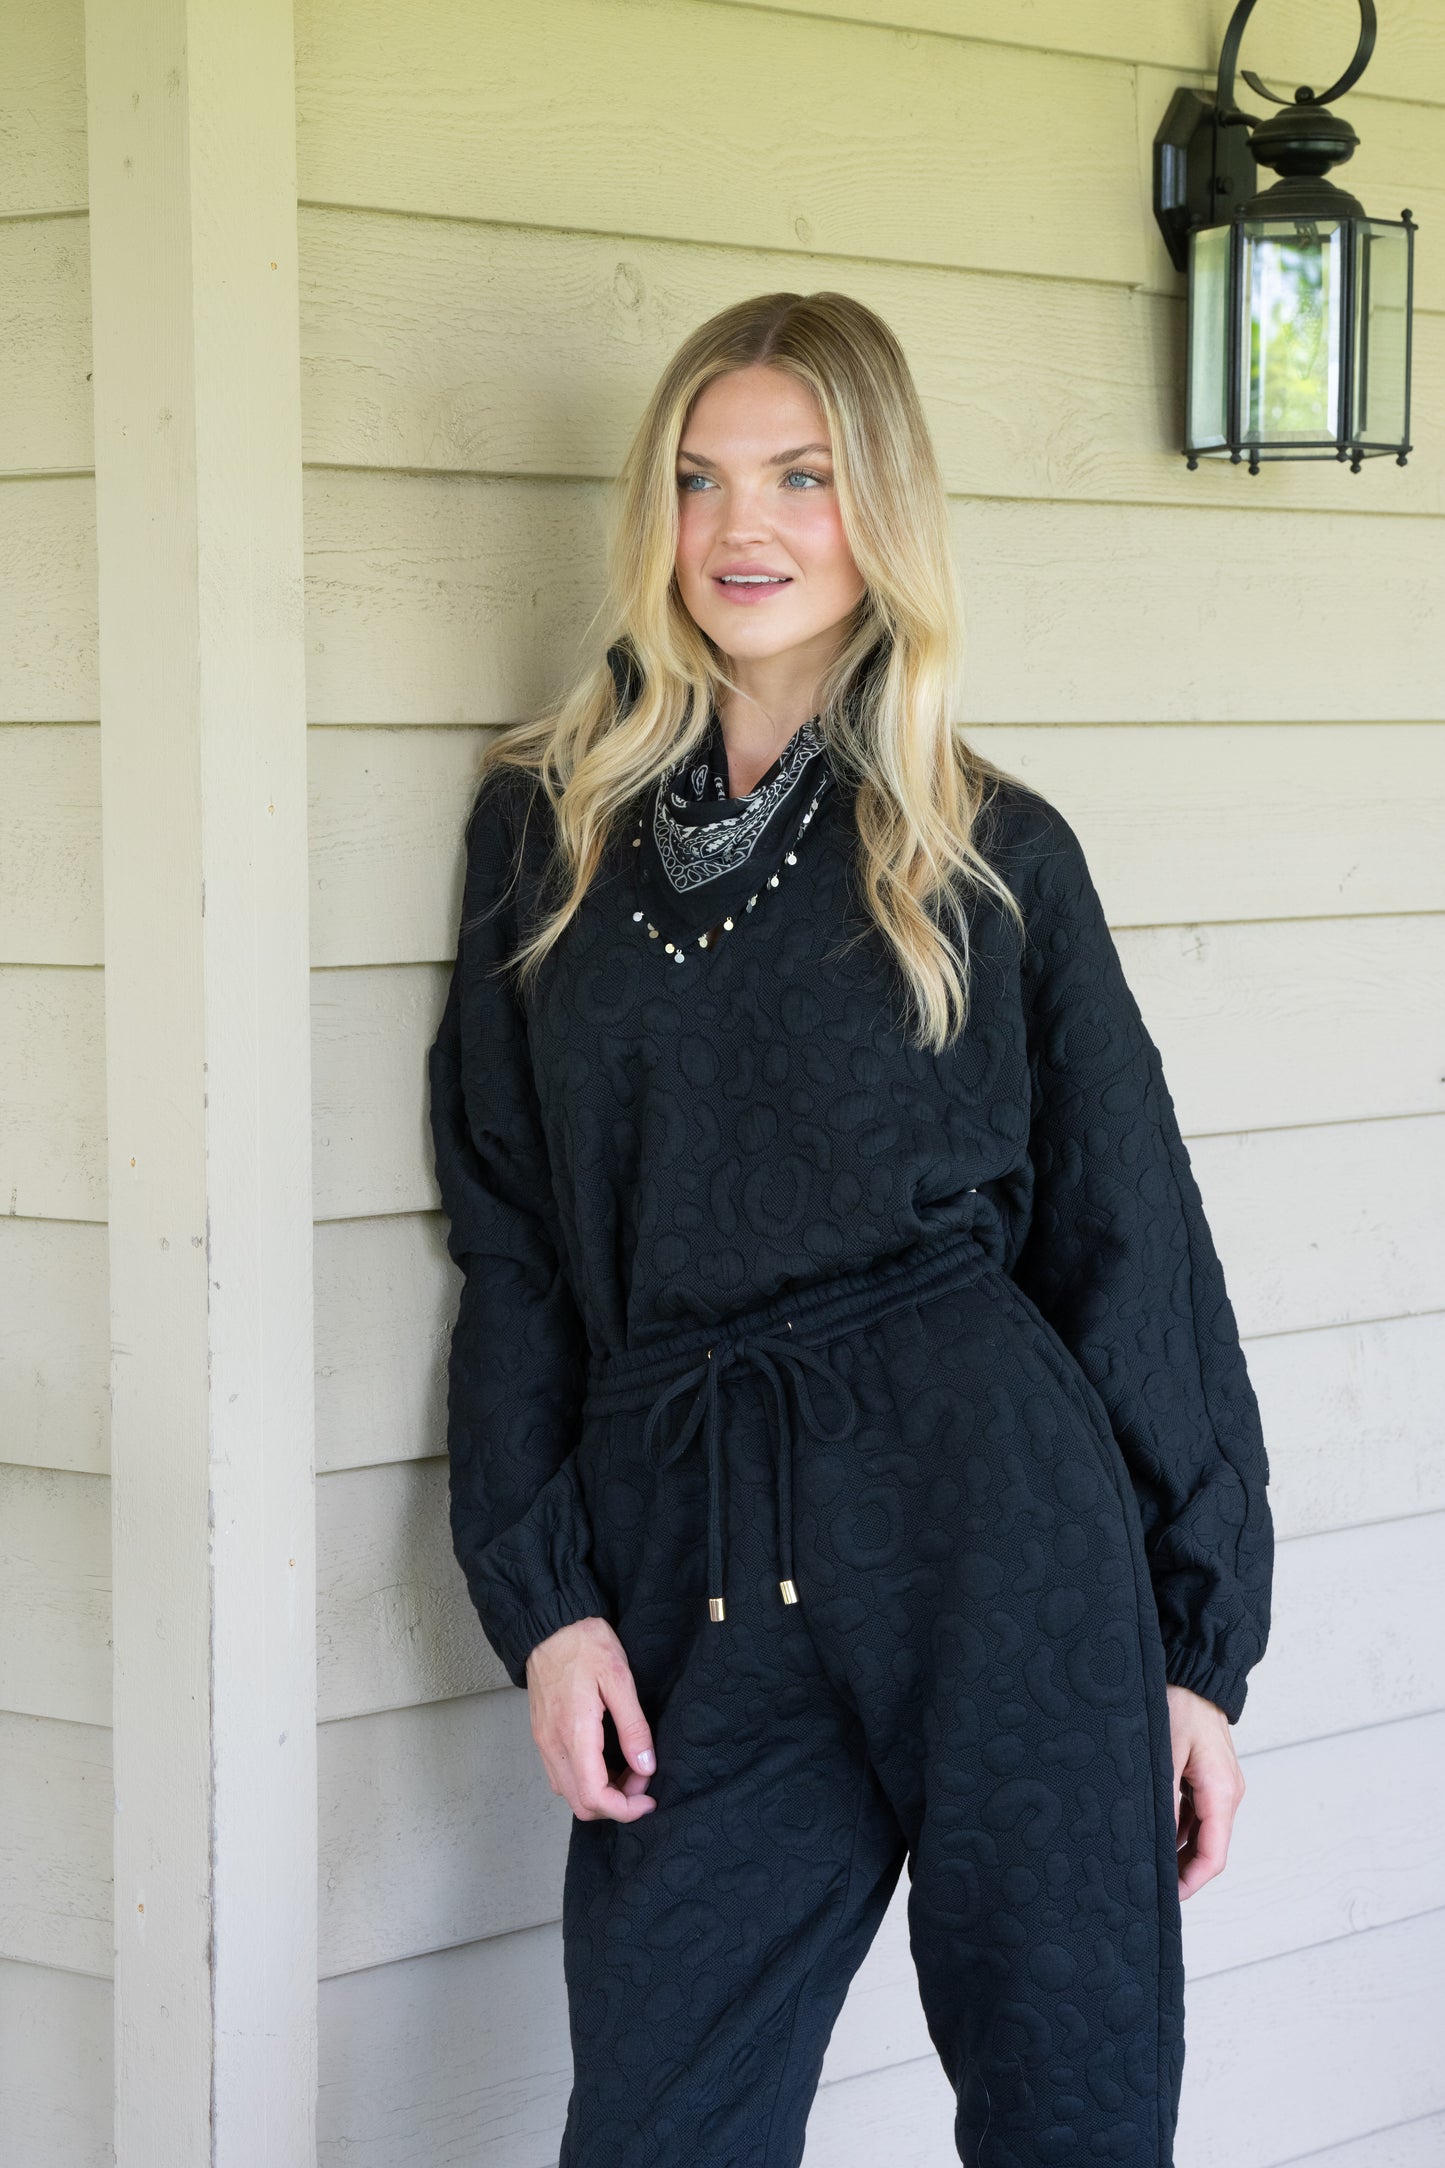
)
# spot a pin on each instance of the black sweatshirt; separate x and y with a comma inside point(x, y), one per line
point(646, 1139)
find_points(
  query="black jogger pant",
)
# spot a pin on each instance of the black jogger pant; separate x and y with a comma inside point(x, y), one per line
point(971, 1679)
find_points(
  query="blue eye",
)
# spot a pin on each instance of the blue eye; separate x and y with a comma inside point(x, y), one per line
point(684, 479)
point(803, 474)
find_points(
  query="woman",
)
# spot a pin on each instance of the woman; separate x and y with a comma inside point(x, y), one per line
point(852, 1452)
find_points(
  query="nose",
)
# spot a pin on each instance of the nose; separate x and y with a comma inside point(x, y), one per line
point(744, 514)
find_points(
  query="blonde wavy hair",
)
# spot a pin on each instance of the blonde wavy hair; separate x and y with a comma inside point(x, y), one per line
point(886, 702)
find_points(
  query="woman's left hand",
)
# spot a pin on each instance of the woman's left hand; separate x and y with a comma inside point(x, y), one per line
point(1206, 1766)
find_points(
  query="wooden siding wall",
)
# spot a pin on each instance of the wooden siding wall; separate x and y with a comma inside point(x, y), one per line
point(510, 215)
point(55, 1808)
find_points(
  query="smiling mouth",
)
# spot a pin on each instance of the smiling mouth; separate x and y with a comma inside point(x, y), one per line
point(747, 584)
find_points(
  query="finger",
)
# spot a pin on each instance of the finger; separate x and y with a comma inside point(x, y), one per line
point(607, 1803)
point(1179, 1747)
point(634, 1734)
point(592, 1794)
point(1214, 1812)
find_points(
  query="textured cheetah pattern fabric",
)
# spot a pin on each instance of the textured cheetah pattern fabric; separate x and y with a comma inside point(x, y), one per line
point(1050, 1501)
point(972, 1681)
point(632, 1148)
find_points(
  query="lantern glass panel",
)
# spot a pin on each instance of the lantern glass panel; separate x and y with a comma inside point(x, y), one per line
point(1382, 334)
point(1293, 281)
point(1208, 336)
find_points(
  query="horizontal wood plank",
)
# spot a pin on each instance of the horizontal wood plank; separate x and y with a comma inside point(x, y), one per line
point(1181, 822)
point(1357, 1635)
point(458, 2056)
point(1419, 2143)
point(1335, 1837)
point(387, 808)
point(395, 1624)
point(52, 1092)
point(385, 1296)
point(904, 2110)
point(1352, 1417)
point(478, 2033)
point(370, 1032)
point(50, 904)
point(1353, 1422)
point(1377, 1655)
point(437, 1825)
point(1293, 41)
point(450, 346)
point(55, 2067)
point(1334, 1225)
point(55, 1594)
point(1329, 2043)
point(904, 147)
point(45, 344)
point(1239, 1013)
point(42, 107)
point(57, 1810)
point(1326, 1227)
point(54, 1343)
point(1324, 1847)
point(1188, 821)
point(444, 599)
point(1305, 2047)
point(396, 1627)
point(48, 605)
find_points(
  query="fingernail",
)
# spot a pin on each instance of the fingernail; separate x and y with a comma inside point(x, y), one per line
point(645, 1757)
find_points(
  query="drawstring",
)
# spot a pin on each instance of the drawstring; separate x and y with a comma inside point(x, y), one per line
point(772, 1353)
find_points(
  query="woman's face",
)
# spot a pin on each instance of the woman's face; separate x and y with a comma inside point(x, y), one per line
point(763, 564)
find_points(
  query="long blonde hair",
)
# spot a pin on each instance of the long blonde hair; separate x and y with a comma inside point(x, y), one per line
point(886, 703)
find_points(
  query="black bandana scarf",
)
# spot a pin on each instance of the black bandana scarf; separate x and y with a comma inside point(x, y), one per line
point(703, 853)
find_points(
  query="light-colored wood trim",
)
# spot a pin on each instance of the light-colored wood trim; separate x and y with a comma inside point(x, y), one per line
point(203, 785)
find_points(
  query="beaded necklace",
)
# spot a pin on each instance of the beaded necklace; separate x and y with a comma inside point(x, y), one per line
point(706, 859)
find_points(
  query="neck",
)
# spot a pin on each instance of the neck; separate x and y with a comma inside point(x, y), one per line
point(776, 695)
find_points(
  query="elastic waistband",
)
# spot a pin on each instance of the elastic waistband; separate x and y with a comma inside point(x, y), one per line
point(815, 1315)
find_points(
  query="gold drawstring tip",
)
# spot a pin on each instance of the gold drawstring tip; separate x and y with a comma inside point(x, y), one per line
point(714, 1607)
point(790, 1594)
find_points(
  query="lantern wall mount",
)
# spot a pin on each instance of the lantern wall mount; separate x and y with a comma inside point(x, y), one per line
point(1299, 312)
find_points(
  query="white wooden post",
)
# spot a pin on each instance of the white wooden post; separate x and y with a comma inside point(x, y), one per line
point(203, 776)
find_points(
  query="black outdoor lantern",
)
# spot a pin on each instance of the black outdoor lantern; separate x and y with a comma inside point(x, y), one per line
point(1299, 301)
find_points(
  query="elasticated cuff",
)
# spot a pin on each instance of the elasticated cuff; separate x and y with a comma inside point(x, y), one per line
point(1185, 1666)
point(515, 1641)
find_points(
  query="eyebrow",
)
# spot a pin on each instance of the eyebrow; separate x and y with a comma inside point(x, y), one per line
point(779, 459)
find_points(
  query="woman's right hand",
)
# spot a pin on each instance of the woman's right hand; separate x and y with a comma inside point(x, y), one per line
point(573, 1678)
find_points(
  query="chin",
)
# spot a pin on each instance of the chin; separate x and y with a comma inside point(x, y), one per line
point(737, 634)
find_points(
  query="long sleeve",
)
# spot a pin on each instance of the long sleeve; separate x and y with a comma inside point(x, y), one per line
point(517, 1355)
point(1120, 1261)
